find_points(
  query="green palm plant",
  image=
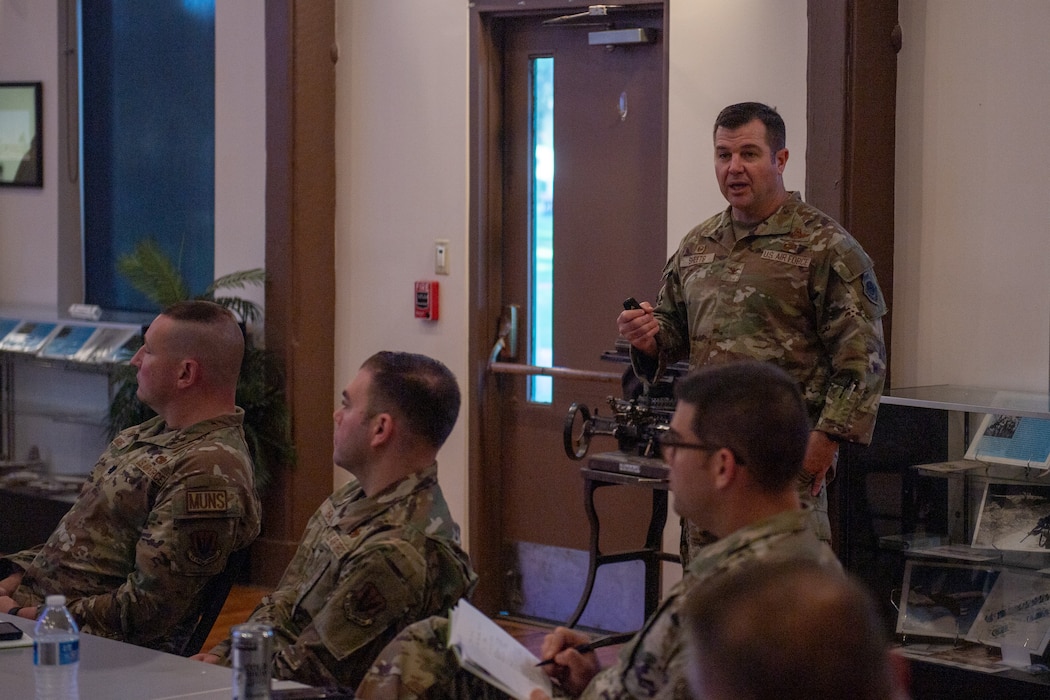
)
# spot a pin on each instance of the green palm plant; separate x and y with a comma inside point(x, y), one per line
point(260, 389)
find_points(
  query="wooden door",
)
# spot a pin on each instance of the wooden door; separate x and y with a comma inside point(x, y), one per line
point(608, 216)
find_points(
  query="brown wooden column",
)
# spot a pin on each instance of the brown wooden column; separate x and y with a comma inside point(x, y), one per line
point(300, 246)
point(852, 106)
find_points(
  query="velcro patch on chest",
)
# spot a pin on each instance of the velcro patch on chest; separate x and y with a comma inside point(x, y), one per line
point(788, 258)
point(697, 259)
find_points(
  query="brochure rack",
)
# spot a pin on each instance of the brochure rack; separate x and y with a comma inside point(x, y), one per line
point(56, 381)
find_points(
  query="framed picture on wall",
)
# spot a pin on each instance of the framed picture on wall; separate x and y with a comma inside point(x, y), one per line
point(21, 135)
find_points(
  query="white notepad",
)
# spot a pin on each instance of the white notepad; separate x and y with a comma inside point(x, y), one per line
point(490, 653)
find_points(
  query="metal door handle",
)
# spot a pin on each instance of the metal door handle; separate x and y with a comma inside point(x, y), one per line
point(563, 372)
point(507, 344)
point(507, 338)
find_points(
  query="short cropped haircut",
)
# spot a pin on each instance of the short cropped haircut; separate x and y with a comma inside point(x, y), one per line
point(787, 630)
point(756, 410)
point(420, 389)
point(210, 334)
point(735, 116)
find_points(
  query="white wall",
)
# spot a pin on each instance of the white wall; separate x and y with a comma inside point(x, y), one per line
point(723, 53)
point(240, 140)
point(401, 178)
point(972, 303)
point(29, 216)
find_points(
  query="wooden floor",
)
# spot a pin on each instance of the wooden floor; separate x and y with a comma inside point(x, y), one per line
point(243, 599)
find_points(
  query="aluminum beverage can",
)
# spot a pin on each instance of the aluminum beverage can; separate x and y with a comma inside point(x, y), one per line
point(252, 647)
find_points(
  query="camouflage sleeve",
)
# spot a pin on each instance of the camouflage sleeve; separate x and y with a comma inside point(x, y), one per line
point(200, 515)
point(378, 592)
point(671, 313)
point(650, 665)
point(418, 663)
point(851, 330)
point(18, 561)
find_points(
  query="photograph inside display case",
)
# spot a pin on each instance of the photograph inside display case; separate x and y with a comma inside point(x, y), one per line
point(942, 599)
point(1014, 517)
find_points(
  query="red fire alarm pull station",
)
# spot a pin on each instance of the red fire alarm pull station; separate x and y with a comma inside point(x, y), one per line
point(427, 300)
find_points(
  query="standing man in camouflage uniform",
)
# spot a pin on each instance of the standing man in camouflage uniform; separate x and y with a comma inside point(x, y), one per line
point(772, 278)
point(382, 551)
point(165, 505)
point(734, 448)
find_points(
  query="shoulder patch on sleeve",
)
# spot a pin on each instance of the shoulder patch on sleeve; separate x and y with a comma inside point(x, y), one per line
point(364, 604)
point(871, 288)
point(204, 546)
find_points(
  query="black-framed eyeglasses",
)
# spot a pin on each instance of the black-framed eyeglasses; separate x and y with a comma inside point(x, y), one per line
point(668, 443)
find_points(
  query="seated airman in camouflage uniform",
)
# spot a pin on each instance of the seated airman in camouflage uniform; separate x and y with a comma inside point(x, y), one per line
point(165, 505)
point(734, 448)
point(382, 551)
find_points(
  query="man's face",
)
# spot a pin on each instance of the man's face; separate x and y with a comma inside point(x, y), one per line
point(690, 466)
point(158, 366)
point(749, 173)
point(352, 437)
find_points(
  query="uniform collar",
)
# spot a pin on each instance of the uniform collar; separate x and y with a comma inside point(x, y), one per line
point(787, 522)
point(156, 432)
point(773, 225)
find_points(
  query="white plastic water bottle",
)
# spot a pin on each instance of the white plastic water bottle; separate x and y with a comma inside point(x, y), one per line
point(56, 652)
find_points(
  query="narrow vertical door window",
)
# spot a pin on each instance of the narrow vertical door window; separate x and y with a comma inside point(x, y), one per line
point(541, 225)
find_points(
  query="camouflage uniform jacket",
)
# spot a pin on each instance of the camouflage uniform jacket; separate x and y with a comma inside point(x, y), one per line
point(652, 664)
point(799, 292)
point(365, 568)
point(158, 516)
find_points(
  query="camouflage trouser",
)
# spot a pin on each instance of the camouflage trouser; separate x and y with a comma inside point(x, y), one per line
point(418, 665)
point(694, 539)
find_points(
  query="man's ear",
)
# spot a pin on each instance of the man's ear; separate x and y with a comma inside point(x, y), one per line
point(781, 158)
point(189, 373)
point(724, 467)
point(382, 429)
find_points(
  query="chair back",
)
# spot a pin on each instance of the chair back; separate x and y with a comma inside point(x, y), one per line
point(214, 597)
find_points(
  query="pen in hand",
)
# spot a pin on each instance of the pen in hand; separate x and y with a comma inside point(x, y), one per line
point(596, 644)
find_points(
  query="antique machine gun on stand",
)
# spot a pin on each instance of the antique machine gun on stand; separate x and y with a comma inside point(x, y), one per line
point(635, 423)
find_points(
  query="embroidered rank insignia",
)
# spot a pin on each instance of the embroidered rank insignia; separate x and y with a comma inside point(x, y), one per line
point(203, 547)
point(363, 604)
